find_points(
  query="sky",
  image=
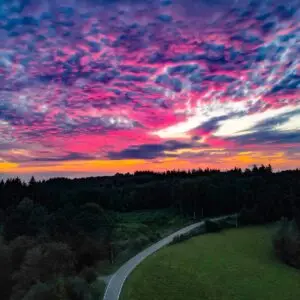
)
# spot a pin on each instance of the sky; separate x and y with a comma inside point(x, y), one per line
point(97, 87)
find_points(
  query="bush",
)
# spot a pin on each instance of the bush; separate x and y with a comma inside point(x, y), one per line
point(286, 243)
point(211, 226)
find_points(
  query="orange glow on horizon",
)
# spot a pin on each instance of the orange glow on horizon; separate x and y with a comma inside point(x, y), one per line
point(243, 160)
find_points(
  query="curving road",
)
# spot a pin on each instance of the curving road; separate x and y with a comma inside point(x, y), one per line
point(114, 287)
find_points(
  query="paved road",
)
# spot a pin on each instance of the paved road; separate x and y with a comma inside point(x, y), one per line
point(114, 287)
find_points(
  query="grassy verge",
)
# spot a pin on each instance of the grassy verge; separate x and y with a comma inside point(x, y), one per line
point(236, 264)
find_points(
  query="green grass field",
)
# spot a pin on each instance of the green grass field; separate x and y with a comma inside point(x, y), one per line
point(236, 264)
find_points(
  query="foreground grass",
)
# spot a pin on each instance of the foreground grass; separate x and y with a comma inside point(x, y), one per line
point(236, 264)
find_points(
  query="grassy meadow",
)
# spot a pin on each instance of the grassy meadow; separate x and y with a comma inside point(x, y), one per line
point(236, 264)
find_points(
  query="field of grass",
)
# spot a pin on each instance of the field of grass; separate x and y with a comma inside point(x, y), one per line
point(236, 264)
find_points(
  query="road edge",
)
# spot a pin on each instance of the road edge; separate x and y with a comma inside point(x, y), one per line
point(178, 232)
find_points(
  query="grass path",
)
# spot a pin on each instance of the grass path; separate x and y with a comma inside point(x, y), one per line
point(237, 264)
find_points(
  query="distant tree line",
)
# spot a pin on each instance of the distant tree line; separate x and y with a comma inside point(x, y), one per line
point(194, 193)
point(40, 220)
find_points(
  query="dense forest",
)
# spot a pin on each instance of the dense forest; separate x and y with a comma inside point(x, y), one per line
point(54, 231)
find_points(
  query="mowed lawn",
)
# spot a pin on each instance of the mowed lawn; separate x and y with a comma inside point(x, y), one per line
point(237, 264)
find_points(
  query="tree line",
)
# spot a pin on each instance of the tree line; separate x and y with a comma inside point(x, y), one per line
point(194, 193)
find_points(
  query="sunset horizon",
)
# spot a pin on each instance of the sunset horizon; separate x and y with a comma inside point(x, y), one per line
point(97, 88)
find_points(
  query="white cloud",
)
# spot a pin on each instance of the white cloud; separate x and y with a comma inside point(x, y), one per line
point(292, 124)
point(243, 125)
point(201, 114)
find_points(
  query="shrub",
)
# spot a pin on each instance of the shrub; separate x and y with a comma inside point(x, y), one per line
point(286, 243)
